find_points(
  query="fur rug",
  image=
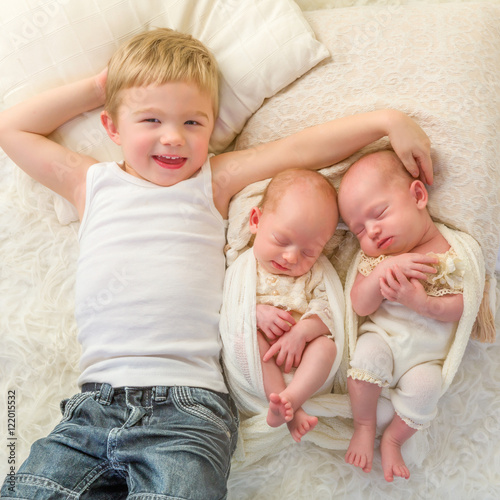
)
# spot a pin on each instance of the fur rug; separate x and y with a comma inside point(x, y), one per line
point(457, 458)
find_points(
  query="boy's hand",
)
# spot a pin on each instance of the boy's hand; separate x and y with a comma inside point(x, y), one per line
point(100, 83)
point(272, 321)
point(396, 287)
point(288, 348)
point(412, 145)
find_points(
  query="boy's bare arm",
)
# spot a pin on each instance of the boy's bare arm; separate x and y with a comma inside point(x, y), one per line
point(23, 131)
point(320, 146)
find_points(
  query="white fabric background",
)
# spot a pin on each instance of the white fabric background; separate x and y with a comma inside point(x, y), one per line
point(460, 458)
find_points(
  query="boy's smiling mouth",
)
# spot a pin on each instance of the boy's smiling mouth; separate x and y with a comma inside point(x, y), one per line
point(170, 162)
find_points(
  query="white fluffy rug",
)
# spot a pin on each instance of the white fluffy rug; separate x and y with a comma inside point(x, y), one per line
point(457, 458)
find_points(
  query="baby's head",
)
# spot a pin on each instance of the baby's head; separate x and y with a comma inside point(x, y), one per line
point(383, 205)
point(296, 218)
point(157, 57)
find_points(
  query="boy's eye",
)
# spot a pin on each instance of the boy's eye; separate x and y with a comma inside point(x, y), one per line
point(152, 120)
point(192, 122)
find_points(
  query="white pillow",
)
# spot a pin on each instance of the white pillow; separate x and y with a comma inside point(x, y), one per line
point(261, 46)
point(437, 62)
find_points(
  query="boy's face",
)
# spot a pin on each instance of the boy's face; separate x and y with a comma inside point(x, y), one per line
point(385, 217)
point(164, 131)
point(290, 237)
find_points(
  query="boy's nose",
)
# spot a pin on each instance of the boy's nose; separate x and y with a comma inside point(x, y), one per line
point(172, 136)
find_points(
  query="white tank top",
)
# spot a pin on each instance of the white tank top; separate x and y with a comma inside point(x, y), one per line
point(149, 281)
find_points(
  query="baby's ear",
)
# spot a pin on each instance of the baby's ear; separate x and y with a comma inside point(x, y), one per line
point(255, 215)
point(419, 193)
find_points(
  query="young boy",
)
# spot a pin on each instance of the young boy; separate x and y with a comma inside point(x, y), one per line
point(413, 314)
point(154, 416)
point(297, 216)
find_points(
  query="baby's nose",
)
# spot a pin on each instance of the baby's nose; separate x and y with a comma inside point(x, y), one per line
point(291, 255)
point(372, 229)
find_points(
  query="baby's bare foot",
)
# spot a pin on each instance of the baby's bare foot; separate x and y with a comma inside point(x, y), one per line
point(360, 451)
point(280, 410)
point(301, 424)
point(392, 459)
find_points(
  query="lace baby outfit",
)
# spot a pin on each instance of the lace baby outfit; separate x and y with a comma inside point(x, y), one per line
point(303, 296)
point(404, 351)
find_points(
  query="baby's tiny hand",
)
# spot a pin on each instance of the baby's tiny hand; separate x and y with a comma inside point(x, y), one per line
point(412, 265)
point(396, 287)
point(288, 350)
point(272, 321)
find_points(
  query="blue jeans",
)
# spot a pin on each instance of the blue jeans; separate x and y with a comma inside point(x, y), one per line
point(136, 443)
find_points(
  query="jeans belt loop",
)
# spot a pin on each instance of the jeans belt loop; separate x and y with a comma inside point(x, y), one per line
point(160, 393)
point(105, 394)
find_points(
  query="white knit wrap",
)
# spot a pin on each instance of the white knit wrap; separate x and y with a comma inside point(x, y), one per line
point(243, 367)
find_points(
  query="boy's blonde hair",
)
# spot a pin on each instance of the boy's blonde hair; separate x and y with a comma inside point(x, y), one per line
point(157, 57)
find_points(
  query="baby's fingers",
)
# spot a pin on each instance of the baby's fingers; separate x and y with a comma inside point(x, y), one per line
point(280, 327)
point(287, 318)
point(390, 277)
point(386, 291)
point(268, 333)
point(399, 277)
point(272, 351)
point(289, 363)
point(419, 272)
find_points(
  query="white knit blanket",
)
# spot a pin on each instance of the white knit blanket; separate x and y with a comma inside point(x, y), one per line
point(243, 366)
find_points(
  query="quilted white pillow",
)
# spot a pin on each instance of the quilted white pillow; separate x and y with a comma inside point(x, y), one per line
point(261, 46)
point(440, 63)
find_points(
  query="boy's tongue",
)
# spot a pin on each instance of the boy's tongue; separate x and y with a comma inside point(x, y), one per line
point(170, 161)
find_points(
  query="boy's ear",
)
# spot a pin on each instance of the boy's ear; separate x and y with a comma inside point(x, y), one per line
point(110, 127)
point(419, 193)
point(255, 215)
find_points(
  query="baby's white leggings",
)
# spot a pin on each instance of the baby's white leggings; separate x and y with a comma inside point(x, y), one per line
point(414, 394)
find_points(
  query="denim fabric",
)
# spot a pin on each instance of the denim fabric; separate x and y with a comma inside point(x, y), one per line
point(137, 443)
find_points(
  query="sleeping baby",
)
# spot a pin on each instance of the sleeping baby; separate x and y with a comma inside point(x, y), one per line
point(413, 310)
point(294, 326)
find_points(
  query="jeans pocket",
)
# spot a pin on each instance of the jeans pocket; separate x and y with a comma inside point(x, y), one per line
point(69, 406)
point(214, 419)
point(208, 406)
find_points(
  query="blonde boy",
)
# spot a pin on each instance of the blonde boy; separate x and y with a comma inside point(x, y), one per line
point(154, 416)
